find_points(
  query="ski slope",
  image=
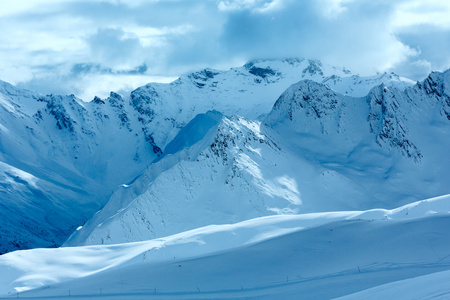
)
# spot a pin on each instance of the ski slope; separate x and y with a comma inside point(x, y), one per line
point(318, 255)
point(431, 286)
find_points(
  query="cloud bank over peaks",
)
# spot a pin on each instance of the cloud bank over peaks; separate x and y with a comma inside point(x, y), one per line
point(91, 47)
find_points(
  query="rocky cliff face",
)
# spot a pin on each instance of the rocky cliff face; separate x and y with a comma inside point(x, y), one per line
point(436, 87)
point(387, 120)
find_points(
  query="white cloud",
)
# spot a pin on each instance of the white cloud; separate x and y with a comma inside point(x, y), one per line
point(15, 74)
point(333, 8)
point(102, 84)
point(422, 63)
point(45, 42)
point(415, 12)
point(253, 5)
point(15, 7)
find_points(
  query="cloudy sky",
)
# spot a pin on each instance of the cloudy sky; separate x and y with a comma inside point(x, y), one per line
point(89, 47)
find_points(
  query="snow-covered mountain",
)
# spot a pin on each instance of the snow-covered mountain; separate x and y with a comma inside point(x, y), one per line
point(61, 158)
point(287, 164)
point(248, 91)
point(317, 150)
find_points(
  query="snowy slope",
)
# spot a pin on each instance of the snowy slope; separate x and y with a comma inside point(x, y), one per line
point(317, 150)
point(36, 211)
point(60, 159)
point(315, 256)
point(431, 286)
point(399, 138)
point(236, 172)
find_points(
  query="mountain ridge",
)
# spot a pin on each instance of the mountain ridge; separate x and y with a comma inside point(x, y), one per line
point(88, 149)
point(259, 162)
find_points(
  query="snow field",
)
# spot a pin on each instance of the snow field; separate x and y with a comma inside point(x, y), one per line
point(318, 255)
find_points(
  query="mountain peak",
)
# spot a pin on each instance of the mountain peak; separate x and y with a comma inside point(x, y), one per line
point(437, 86)
point(312, 98)
point(312, 108)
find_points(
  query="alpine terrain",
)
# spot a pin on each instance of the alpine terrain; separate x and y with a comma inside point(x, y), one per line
point(280, 179)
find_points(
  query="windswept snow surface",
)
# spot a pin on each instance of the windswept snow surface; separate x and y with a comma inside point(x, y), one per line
point(432, 286)
point(312, 256)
